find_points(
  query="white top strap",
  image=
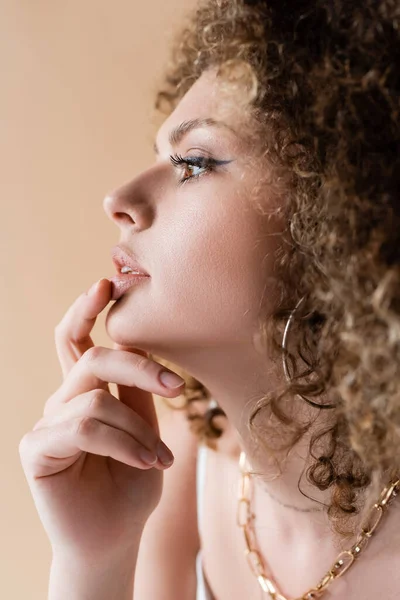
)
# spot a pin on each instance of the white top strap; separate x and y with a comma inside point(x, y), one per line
point(203, 592)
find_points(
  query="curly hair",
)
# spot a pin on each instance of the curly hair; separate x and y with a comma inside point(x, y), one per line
point(325, 96)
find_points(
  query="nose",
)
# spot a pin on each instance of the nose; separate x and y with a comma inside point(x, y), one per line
point(130, 206)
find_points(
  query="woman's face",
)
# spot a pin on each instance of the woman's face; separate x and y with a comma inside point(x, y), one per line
point(195, 231)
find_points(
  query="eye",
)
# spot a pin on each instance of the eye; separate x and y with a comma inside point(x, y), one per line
point(192, 164)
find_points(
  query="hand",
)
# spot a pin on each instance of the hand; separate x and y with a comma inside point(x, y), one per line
point(88, 459)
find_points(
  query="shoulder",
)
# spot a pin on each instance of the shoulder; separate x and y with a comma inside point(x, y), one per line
point(205, 420)
point(174, 519)
point(176, 432)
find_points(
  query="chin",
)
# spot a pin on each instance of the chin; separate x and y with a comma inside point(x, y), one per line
point(118, 330)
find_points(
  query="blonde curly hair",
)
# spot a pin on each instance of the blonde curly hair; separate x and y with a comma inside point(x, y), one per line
point(325, 83)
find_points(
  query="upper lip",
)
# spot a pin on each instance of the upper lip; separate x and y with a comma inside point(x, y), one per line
point(122, 258)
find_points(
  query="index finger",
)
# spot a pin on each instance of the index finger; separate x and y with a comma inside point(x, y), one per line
point(141, 399)
point(72, 334)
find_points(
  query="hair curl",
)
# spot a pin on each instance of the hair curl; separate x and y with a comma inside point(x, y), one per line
point(326, 100)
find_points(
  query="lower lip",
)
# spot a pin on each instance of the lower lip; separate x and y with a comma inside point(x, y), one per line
point(122, 283)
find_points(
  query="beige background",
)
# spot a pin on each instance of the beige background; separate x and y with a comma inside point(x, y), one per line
point(78, 82)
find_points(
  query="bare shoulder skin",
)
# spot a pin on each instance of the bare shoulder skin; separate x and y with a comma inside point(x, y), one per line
point(170, 542)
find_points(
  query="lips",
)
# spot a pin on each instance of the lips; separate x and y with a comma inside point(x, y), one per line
point(121, 259)
point(124, 281)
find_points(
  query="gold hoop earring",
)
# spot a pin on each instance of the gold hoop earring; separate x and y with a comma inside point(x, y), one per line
point(284, 359)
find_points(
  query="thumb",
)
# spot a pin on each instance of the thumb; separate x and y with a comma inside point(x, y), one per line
point(141, 401)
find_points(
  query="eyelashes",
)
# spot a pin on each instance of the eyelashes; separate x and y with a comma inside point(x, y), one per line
point(195, 162)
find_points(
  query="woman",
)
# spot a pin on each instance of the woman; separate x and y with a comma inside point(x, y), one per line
point(267, 243)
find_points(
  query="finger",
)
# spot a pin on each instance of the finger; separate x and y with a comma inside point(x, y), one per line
point(49, 450)
point(99, 365)
point(144, 405)
point(72, 334)
point(103, 406)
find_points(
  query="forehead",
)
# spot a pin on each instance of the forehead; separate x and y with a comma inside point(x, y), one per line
point(207, 98)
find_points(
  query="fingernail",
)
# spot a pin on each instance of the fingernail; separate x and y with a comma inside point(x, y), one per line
point(171, 380)
point(93, 289)
point(147, 456)
point(164, 454)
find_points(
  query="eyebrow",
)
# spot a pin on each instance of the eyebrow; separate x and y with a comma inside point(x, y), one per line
point(177, 134)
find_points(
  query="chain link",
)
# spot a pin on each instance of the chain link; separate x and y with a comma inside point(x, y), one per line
point(344, 560)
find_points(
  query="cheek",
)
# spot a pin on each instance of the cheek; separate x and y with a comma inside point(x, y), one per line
point(213, 268)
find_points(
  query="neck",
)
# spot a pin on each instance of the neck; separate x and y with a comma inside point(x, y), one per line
point(236, 377)
point(297, 509)
point(298, 545)
point(284, 496)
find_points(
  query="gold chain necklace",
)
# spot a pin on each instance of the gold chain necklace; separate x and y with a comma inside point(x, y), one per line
point(343, 561)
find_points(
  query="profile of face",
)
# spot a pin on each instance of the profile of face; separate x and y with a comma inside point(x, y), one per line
point(194, 229)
